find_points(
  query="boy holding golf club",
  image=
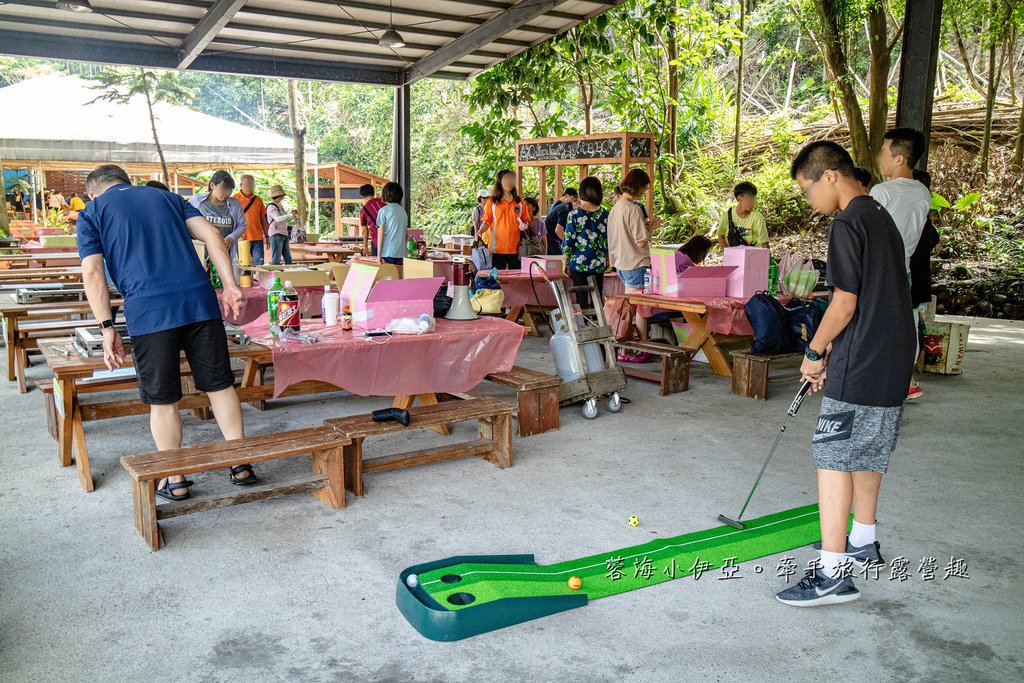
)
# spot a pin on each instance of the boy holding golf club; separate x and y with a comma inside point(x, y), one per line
point(862, 356)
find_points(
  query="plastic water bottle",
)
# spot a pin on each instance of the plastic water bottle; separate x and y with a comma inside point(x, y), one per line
point(331, 307)
point(273, 294)
point(647, 281)
point(773, 276)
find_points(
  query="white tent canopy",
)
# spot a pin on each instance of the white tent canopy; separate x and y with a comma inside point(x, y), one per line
point(53, 118)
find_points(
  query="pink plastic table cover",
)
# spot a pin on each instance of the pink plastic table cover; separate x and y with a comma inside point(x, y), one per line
point(516, 286)
point(454, 358)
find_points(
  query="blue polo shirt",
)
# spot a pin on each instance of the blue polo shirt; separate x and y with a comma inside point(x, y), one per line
point(142, 236)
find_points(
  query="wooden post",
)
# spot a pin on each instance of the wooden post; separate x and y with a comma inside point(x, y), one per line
point(338, 230)
point(584, 168)
point(42, 193)
point(542, 196)
point(316, 198)
point(650, 188)
point(558, 181)
point(519, 179)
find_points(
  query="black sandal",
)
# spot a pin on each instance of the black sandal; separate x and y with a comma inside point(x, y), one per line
point(165, 490)
point(248, 481)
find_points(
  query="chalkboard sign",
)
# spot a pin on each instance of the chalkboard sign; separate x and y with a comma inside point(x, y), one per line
point(596, 148)
point(640, 148)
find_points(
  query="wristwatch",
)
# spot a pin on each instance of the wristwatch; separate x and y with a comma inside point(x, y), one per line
point(814, 355)
point(107, 324)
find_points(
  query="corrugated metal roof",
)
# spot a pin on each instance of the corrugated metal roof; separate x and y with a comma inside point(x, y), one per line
point(316, 39)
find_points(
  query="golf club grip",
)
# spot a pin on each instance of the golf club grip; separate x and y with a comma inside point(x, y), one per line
point(804, 388)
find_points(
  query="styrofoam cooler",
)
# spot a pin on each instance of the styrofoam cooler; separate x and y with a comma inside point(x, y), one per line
point(552, 265)
point(751, 274)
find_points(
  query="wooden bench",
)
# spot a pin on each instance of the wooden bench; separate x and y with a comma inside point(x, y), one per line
point(674, 375)
point(537, 394)
point(327, 482)
point(494, 420)
point(750, 372)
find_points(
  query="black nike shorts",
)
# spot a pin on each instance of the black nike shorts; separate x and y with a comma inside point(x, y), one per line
point(158, 360)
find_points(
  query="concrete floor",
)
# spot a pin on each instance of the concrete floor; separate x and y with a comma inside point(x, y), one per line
point(289, 590)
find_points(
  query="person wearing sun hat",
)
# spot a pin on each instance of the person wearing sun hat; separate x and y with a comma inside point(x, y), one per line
point(278, 218)
point(478, 211)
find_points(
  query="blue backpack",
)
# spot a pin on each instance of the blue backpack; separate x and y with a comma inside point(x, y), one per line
point(803, 318)
point(771, 324)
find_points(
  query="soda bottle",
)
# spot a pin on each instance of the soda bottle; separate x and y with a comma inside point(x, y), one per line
point(773, 276)
point(410, 247)
point(288, 308)
point(214, 275)
point(346, 318)
point(273, 294)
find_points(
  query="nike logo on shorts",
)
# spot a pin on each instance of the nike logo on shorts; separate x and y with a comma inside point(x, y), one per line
point(835, 427)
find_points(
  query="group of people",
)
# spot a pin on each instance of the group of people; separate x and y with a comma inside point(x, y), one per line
point(384, 222)
point(50, 200)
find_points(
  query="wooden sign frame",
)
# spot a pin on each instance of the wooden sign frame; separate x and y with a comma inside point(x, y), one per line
point(623, 148)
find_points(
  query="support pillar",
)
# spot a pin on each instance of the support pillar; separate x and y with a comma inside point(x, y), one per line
point(921, 30)
point(401, 152)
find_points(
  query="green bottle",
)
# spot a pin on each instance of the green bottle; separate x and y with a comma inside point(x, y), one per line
point(411, 248)
point(214, 275)
point(273, 294)
point(773, 276)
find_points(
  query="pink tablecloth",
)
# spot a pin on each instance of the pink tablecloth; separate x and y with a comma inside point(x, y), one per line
point(516, 286)
point(255, 304)
point(725, 315)
point(454, 358)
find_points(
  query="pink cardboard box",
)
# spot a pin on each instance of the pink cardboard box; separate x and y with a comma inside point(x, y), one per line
point(705, 281)
point(751, 275)
point(552, 265)
point(664, 278)
point(390, 299)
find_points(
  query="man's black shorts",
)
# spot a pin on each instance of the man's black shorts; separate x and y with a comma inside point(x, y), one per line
point(158, 360)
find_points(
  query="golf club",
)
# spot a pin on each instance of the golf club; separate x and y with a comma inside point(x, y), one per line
point(795, 406)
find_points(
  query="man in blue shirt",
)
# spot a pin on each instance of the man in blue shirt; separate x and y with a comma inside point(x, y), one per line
point(145, 235)
point(554, 222)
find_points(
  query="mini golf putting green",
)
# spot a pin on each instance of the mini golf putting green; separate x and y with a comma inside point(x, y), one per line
point(464, 596)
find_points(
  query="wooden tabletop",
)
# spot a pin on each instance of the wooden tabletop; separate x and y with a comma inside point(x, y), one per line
point(667, 302)
point(75, 365)
point(8, 306)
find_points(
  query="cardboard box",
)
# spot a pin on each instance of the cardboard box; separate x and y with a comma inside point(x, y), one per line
point(664, 278)
point(751, 275)
point(373, 306)
point(552, 265)
point(264, 276)
point(413, 269)
point(340, 271)
point(945, 345)
point(705, 281)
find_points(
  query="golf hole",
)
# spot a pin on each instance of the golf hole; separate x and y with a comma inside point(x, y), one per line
point(461, 598)
point(451, 578)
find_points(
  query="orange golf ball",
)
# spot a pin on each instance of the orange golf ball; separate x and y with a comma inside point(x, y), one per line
point(575, 583)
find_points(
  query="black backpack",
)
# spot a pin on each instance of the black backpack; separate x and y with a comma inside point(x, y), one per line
point(771, 324)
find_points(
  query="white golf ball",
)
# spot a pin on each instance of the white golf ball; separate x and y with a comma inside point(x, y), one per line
point(412, 581)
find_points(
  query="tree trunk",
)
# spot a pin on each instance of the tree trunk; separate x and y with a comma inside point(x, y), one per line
point(152, 125)
point(1018, 148)
point(834, 55)
point(792, 74)
point(739, 90)
point(878, 76)
point(958, 39)
point(672, 108)
point(298, 126)
point(5, 225)
point(990, 97)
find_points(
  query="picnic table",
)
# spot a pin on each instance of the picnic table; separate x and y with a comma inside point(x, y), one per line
point(40, 275)
point(334, 253)
point(15, 315)
point(41, 260)
point(712, 321)
point(519, 296)
point(452, 360)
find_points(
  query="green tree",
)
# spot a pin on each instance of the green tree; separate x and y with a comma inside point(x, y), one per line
point(121, 85)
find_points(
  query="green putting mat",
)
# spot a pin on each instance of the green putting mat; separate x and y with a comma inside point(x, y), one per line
point(492, 592)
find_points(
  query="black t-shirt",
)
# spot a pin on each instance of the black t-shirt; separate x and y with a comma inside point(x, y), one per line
point(873, 358)
point(557, 215)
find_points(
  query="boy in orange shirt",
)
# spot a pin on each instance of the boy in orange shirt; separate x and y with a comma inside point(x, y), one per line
point(255, 218)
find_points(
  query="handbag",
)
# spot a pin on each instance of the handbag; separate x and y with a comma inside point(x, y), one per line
point(487, 301)
point(735, 234)
point(481, 256)
point(530, 245)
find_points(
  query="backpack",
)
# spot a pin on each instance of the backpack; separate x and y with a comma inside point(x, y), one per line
point(619, 315)
point(803, 318)
point(771, 324)
point(735, 235)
